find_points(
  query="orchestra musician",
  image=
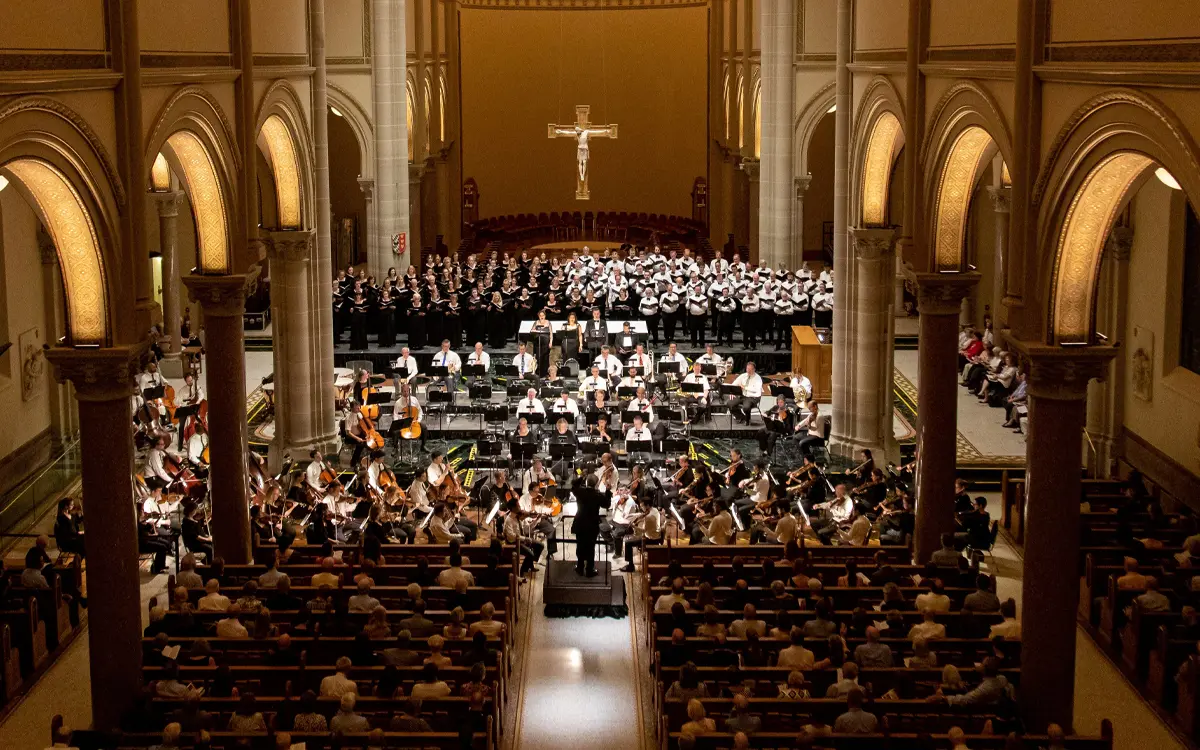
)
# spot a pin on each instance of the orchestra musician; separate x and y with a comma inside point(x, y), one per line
point(563, 434)
point(517, 533)
point(710, 357)
point(778, 420)
point(673, 355)
point(379, 476)
point(606, 473)
point(752, 389)
point(192, 395)
point(839, 513)
point(357, 429)
point(642, 361)
point(593, 382)
point(197, 448)
point(525, 363)
point(640, 403)
point(68, 535)
point(870, 495)
point(608, 363)
point(638, 432)
point(814, 425)
point(407, 406)
point(632, 379)
point(406, 365)
point(564, 404)
point(619, 523)
point(531, 404)
point(453, 364)
point(807, 482)
point(316, 468)
point(480, 357)
point(537, 483)
point(195, 531)
point(695, 403)
point(156, 462)
point(320, 528)
point(863, 471)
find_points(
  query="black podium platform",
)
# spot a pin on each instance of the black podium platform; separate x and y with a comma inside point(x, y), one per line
point(568, 594)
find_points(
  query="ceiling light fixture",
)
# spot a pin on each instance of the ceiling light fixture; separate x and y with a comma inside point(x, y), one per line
point(1167, 178)
point(831, 110)
point(335, 110)
point(3, 182)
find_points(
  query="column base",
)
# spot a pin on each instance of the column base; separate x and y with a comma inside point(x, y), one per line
point(171, 365)
point(847, 447)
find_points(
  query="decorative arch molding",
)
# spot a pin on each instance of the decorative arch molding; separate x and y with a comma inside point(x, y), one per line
point(813, 111)
point(1097, 161)
point(59, 165)
point(360, 122)
point(966, 104)
point(192, 105)
point(960, 162)
point(873, 154)
point(284, 135)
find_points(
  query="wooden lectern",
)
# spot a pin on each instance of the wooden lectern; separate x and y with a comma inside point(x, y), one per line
point(815, 359)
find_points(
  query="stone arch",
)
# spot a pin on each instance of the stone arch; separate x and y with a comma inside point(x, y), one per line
point(283, 136)
point(878, 140)
point(966, 130)
point(806, 122)
point(360, 122)
point(1096, 163)
point(192, 132)
point(50, 154)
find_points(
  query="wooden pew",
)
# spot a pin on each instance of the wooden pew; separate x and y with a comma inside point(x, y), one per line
point(221, 740)
point(1138, 638)
point(1163, 664)
point(434, 553)
point(28, 635)
point(955, 622)
point(755, 553)
point(958, 651)
point(892, 741)
point(11, 656)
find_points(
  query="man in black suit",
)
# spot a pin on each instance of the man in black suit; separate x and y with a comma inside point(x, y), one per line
point(589, 500)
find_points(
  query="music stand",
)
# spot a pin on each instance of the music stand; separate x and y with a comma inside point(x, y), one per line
point(439, 372)
point(786, 391)
point(155, 393)
point(626, 391)
point(708, 369)
point(551, 391)
point(400, 373)
point(506, 370)
point(561, 452)
point(379, 397)
point(474, 371)
point(592, 417)
point(533, 417)
point(669, 367)
point(440, 402)
point(522, 451)
point(628, 415)
point(639, 447)
point(517, 389)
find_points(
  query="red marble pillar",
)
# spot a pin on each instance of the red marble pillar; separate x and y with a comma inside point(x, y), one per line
point(103, 380)
point(223, 299)
point(939, 298)
point(1057, 386)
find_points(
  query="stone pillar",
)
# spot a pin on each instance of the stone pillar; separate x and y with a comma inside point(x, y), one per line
point(778, 43)
point(103, 380)
point(843, 266)
point(324, 427)
point(795, 254)
point(223, 300)
point(387, 139)
point(296, 352)
point(416, 173)
point(1001, 196)
point(1057, 385)
point(875, 260)
point(753, 168)
point(716, 124)
point(64, 412)
point(901, 274)
point(402, 204)
point(367, 186)
point(939, 299)
point(1105, 405)
point(168, 243)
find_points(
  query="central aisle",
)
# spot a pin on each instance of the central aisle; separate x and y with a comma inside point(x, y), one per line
point(580, 680)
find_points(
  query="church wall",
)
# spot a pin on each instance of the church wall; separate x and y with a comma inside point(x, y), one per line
point(44, 25)
point(279, 26)
point(346, 198)
point(172, 26)
point(818, 200)
point(612, 60)
point(1169, 420)
point(344, 27)
point(981, 236)
point(21, 272)
point(1088, 20)
point(880, 24)
point(820, 27)
point(953, 23)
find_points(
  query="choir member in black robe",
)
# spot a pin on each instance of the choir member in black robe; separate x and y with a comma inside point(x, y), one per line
point(387, 320)
point(416, 323)
point(452, 322)
point(358, 323)
point(497, 321)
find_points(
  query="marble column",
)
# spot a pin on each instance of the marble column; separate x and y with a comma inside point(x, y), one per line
point(402, 203)
point(64, 411)
point(753, 170)
point(1057, 386)
point(324, 427)
point(843, 265)
point(939, 299)
point(795, 254)
point(1001, 196)
point(388, 144)
point(871, 392)
point(103, 380)
point(778, 51)
point(1105, 405)
point(223, 300)
point(168, 205)
point(297, 360)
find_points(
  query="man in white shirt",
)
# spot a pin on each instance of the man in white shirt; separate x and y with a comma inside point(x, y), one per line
point(647, 529)
point(196, 445)
point(406, 362)
point(375, 470)
point(593, 382)
point(156, 462)
point(840, 510)
point(405, 401)
point(641, 404)
point(452, 362)
point(609, 363)
point(564, 404)
point(709, 357)
point(480, 357)
point(752, 388)
point(336, 503)
point(639, 432)
point(632, 379)
point(312, 475)
point(531, 404)
point(642, 361)
point(151, 378)
point(525, 362)
point(673, 355)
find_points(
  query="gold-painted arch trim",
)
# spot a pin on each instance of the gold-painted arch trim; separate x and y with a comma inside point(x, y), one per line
point(1081, 241)
point(877, 168)
point(208, 204)
point(75, 240)
point(955, 187)
point(286, 166)
point(160, 174)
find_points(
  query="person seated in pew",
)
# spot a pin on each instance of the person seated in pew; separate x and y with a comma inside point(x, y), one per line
point(929, 628)
point(923, 657)
point(698, 721)
point(982, 599)
point(991, 689)
point(231, 626)
point(338, 684)
point(1010, 628)
point(408, 718)
point(666, 601)
point(934, 600)
point(346, 721)
point(741, 720)
point(430, 685)
point(1132, 580)
point(749, 621)
point(855, 720)
point(309, 719)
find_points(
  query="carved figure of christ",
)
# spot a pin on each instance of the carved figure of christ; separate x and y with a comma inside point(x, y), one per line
point(582, 131)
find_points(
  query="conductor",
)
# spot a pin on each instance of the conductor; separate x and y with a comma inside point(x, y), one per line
point(587, 524)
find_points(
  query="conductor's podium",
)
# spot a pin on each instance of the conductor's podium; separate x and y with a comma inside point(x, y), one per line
point(815, 359)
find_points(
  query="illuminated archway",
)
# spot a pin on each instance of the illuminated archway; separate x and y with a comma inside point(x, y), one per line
point(285, 165)
point(882, 147)
point(208, 203)
point(955, 186)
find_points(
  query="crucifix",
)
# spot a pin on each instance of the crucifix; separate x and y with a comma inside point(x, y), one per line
point(581, 131)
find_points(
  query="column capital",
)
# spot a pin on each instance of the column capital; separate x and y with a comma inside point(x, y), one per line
point(367, 186)
point(168, 203)
point(801, 184)
point(294, 246)
point(105, 374)
point(751, 167)
point(223, 295)
point(1001, 198)
point(1059, 372)
point(872, 244)
point(943, 293)
point(1119, 243)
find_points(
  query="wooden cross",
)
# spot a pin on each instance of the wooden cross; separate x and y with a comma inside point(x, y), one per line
point(582, 131)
